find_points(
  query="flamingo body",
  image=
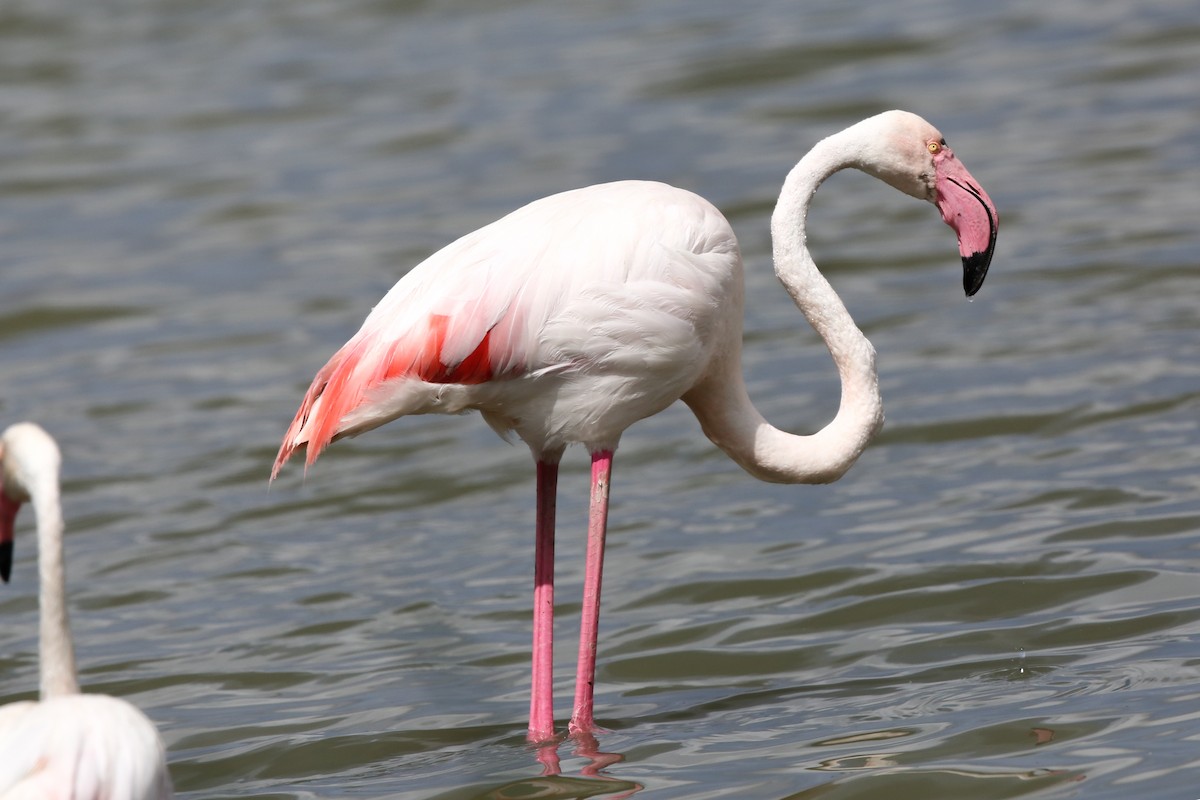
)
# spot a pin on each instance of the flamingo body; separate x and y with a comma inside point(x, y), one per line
point(581, 313)
point(67, 746)
point(79, 746)
point(544, 321)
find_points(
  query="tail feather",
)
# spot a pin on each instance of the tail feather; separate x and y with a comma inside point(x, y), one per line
point(345, 383)
point(338, 388)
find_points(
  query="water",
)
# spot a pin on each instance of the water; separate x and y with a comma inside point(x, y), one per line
point(200, 202)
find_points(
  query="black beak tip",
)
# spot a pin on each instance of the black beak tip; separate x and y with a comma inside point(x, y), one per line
point(975, 269)
point(6, 553)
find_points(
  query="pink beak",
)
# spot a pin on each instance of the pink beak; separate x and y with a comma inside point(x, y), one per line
point(966, 207)
point(8, 517)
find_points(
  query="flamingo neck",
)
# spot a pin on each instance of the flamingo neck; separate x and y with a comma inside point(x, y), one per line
point(731, 420)
point(55, 649)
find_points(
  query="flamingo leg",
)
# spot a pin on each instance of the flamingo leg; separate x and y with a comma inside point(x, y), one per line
point(585, 675)
point(541, 698)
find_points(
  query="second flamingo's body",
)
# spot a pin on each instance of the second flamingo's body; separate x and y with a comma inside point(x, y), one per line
point(579, 314)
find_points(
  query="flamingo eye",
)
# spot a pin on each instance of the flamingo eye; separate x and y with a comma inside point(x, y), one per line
point(935, 147)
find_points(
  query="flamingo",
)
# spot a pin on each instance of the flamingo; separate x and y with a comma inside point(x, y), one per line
point(69, 745)
point(577, 315)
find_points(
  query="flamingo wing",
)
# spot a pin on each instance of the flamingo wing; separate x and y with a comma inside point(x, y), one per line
point(593, 276)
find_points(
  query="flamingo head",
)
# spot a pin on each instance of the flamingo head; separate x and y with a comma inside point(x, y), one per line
point(29, 461)
point(909, 154)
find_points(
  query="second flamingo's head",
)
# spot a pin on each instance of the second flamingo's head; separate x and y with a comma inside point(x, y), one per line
point(29, 463)
point(905, 151)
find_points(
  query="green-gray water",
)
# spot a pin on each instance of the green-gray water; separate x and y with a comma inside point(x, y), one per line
point(199, 202)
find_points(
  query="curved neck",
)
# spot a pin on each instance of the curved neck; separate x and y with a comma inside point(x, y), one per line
point(723, 407)
point(55, 649)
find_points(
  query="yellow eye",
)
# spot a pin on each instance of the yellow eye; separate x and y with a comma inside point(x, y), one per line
point(934, 147)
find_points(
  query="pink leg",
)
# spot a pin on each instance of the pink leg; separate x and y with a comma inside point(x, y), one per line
point(585, 675)
point(541, 698)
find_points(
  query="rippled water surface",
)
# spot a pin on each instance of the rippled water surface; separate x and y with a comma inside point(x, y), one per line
point(199, 202)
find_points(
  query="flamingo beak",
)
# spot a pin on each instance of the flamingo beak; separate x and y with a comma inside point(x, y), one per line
point(8, 518)
point(966, 207)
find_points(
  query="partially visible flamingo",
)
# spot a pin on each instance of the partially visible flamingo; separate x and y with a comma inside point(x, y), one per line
point(579, 314)
point(69, 746)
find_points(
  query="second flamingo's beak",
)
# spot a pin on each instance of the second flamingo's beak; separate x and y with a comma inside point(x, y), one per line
point(8, 518)
point(966, 207)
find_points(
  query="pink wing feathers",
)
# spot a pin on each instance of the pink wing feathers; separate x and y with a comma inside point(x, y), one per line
point(437, 325)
